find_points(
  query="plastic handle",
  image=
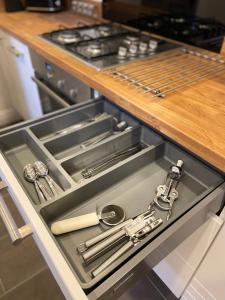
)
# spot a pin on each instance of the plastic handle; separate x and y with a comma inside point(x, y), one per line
point(75, 223)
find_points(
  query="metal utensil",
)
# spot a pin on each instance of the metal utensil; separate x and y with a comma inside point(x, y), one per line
point(109, 161)
point(31, 176)
point(167, 194)
point(118, 127)
point(42, 171)
point(81, 124)
point(111, 215)
point(78, 125)
point(133, 231)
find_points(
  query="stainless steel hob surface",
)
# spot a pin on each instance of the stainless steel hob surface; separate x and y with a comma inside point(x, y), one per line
point(107, 45)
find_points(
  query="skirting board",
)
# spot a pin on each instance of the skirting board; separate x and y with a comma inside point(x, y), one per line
point(8, 116)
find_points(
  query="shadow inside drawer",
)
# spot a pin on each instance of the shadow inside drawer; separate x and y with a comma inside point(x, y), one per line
point(131, 186)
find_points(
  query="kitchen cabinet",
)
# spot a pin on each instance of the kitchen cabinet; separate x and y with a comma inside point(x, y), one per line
point(7, 112)
point(178, 268)
point(208, 281)
point(18, 70)
point(131, 183)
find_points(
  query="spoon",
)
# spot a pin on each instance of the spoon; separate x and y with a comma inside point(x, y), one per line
point(31, 176)
point(117, 127)
point(42, 171)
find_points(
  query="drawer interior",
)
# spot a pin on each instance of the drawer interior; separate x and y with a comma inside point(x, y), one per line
point(132, 186)
point(130, 182)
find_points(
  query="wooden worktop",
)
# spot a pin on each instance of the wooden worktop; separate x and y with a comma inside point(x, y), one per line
point(194, 117)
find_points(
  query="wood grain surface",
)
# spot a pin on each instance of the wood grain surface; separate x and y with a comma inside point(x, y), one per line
point(2, 6)
point(193, 116)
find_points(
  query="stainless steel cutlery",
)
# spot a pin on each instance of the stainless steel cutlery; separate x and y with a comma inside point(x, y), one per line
point(42, 171)
point(33, 173)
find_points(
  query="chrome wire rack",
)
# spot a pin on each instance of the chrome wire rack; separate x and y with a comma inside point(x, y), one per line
point(167, 72)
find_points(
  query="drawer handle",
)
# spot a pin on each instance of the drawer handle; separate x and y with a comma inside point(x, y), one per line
point(49, 92)
point(14, 51)
point(16, 234)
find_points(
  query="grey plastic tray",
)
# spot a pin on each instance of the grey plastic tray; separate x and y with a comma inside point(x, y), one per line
point(132, 186)
point(130, 183)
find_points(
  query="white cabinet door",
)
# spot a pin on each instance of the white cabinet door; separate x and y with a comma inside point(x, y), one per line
point(178, 268)
point(209, 280)
point(7, 112)
point(23, 91)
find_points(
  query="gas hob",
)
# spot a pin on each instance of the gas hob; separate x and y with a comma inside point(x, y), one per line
point(106, 45)
point(201, 32)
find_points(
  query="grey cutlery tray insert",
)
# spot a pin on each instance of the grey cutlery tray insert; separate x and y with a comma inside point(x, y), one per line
point(130, 183)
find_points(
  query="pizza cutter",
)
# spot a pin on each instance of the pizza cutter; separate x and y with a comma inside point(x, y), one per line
point(110, 215)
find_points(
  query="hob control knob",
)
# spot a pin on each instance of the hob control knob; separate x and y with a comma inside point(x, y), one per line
point(61, 84)
point(153, 45)
point(133, 50)
point(122, 52)
point(143, 47)
point(73, 93)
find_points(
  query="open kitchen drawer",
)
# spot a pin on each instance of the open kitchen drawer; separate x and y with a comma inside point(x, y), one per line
point(70, 141)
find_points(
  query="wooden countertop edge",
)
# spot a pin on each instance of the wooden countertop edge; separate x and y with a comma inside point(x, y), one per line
point(95, 80)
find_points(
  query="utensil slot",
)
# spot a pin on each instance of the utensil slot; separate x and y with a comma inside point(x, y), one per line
point(51, 128)
point(71, 143)
point(103, 152)
point(20, 149)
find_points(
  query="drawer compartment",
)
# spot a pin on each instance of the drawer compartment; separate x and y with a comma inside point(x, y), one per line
point(70, 144)
point(20, 149)
point(131, 185)
point(104, 152)
point(48, 129)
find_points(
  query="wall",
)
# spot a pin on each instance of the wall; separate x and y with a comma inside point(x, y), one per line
point(215, 8)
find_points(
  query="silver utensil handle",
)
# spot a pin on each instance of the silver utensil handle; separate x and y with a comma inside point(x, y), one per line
point(96, 140)
point(56, 189)
point(44, 191)
point(16, 234)
point(104, 246)
point(39, 192)
point(129, 245)
point(91, 242)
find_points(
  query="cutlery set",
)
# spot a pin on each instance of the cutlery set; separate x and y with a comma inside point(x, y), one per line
point(33, 173)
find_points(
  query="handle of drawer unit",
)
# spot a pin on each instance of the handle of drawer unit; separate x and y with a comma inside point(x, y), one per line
point(16, 234)
point(14, 51)
point(52, 94)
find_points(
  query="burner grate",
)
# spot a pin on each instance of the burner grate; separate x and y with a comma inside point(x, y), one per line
point(168, 72)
